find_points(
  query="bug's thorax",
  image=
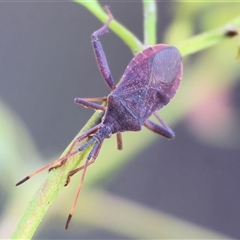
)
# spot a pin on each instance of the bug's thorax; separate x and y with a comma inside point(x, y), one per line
point(119, 116)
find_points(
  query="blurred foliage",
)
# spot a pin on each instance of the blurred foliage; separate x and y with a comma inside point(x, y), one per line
point(209, 76)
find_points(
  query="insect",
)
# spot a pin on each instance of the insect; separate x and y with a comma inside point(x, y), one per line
point(148, 83)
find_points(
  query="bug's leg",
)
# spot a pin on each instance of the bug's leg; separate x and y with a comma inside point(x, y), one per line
point(96, 99)
point(165, 132)
point(73, 172)
point(89, 103)
point(99, 52)
point(163, 129)
point(90, 159)
point(64, 159)
point(161, 121)
point(119, 141)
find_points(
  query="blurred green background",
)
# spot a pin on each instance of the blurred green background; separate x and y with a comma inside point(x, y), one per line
point(184, 188)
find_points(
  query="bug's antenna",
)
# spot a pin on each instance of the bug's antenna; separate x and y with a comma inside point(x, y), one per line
point(91, 159)
point(60, 161)
point(77, 195)
point(48, 166)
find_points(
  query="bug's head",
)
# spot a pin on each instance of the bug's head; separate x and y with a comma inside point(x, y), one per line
point(105, 131)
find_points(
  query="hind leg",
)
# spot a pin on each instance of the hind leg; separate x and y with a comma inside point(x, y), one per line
point(99, 52)
point(163, 129)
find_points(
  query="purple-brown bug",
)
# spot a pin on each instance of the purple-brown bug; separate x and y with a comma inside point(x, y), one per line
point(148, 83)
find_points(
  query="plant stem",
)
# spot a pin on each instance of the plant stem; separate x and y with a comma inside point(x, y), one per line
point(49, 190)
point(149, 25)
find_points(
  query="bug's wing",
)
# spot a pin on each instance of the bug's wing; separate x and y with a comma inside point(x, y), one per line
point(135, 77)
point(164, 79)
point(166, 71)
point(132, 88)
point(150, 80)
